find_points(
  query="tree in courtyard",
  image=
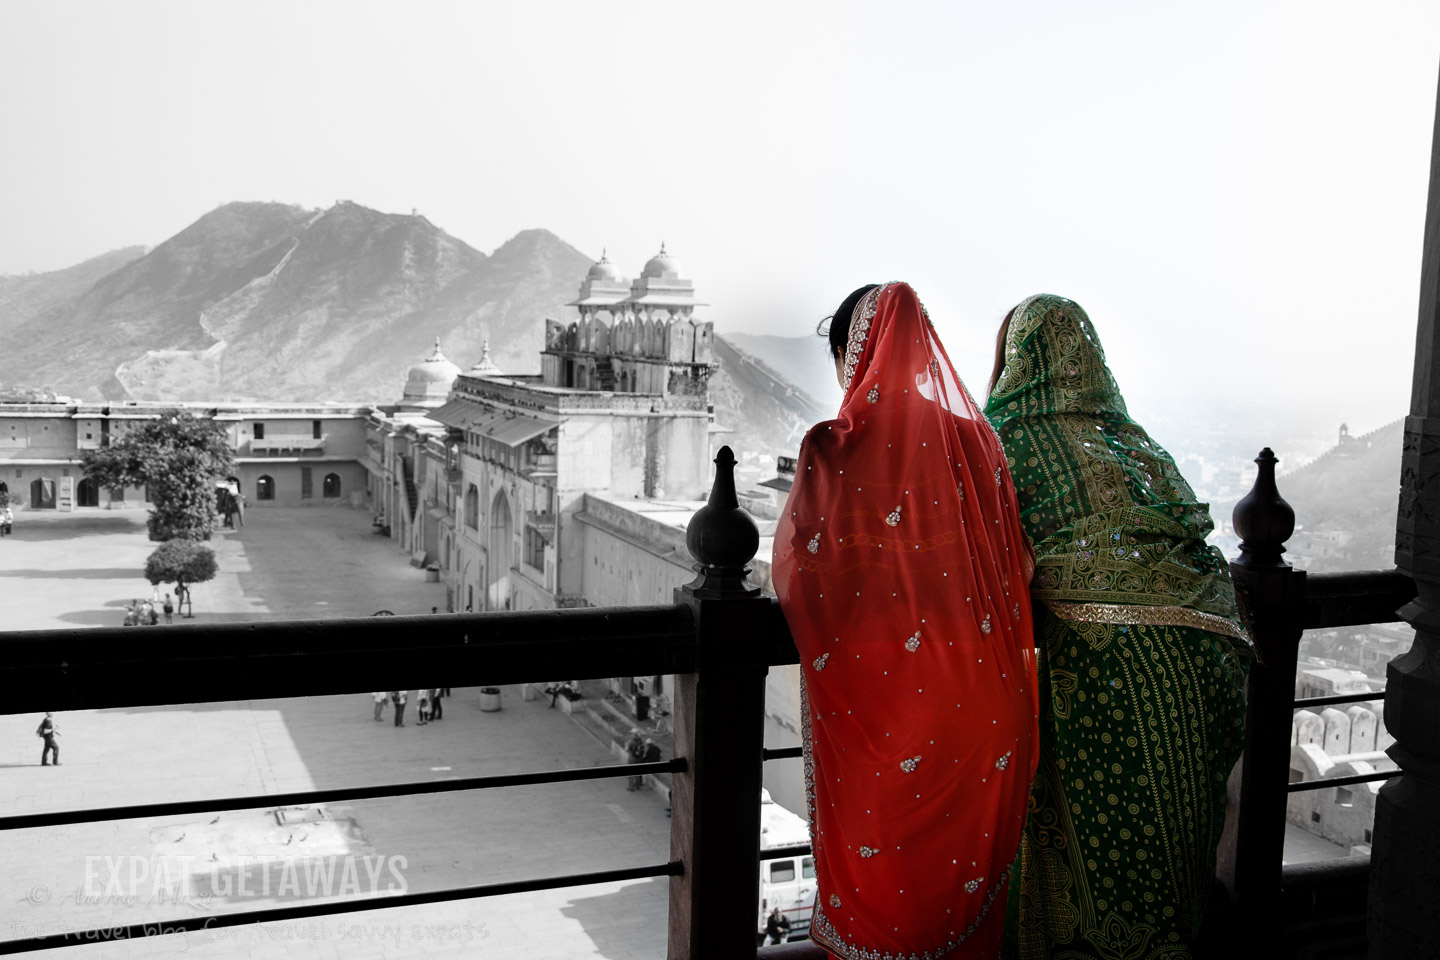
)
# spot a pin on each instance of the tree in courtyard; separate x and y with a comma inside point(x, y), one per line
point(177, 457)
point(181, 562)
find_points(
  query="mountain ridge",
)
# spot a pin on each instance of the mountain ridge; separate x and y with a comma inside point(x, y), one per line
point(264, 301)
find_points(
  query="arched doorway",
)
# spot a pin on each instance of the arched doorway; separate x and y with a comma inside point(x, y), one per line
point(330, 486)
point(42, 494)
point(87, 493)
point(265, 488)
point(501, 552)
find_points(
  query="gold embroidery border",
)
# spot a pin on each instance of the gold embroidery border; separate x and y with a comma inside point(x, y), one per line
point(1134, 614)
point(860, 332)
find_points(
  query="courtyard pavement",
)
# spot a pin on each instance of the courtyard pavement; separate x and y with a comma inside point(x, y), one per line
point(80, 569)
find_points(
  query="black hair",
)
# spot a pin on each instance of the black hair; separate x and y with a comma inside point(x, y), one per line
point(838, 331)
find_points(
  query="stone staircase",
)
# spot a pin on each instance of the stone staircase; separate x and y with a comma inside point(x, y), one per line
point(412, 496)
point(610, 721)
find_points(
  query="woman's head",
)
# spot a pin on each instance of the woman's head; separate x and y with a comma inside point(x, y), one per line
point(837, 332)
point(1048, 360)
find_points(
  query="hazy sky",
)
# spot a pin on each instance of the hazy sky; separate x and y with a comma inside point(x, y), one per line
point(1235, 191)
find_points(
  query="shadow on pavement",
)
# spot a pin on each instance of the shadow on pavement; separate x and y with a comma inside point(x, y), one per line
point(97, 573)
point(115, 618)
point(600, 916)
point(74, 528)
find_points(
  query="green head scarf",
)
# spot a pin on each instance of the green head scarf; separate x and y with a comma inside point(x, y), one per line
point(1118, 534)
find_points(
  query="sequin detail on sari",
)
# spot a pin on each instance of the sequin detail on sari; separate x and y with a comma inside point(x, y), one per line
point(860, 331)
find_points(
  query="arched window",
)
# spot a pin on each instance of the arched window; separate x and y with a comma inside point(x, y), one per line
point(472, 507)
point(265, 488)
point(330, 486)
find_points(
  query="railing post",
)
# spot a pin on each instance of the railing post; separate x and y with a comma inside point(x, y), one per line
point(1404, 902)
point(719, 731)
point(1270, 593)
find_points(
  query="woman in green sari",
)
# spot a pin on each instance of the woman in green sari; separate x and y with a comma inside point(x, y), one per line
point(1142, 658)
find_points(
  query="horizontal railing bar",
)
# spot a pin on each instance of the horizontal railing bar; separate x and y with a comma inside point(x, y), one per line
point(1355, 599)
point(795, 850)
point(150, 810)
point(1340, 698)
point(1300, 786)
point(124, 667)
point(673, 868)
point(782, 753)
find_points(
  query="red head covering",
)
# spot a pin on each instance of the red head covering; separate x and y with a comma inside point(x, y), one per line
point(902, 570)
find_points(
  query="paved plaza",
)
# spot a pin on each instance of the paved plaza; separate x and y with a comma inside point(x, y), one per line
point(80, 569)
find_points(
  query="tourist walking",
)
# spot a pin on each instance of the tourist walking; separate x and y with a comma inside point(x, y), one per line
point(397, 697)
point(902, 572)
point(7, 521)
point(635, 751)
point(169, 610)
point(48, 732)
point(437, 712)
point(379, 696)
point(424, 707)
point(1142, 657)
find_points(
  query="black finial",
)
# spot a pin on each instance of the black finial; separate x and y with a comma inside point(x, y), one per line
point(1263, 519)
point(721, 536)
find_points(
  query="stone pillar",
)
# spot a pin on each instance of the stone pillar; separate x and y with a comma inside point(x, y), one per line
point(1404, 903)
point(719, 732)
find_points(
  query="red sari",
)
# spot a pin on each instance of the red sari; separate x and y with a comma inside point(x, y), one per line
point(902, 570)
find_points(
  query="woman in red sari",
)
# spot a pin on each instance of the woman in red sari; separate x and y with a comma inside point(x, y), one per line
point(903, 572)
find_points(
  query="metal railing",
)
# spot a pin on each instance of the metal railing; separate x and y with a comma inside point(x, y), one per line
point(1278, 603)
point(719, 638)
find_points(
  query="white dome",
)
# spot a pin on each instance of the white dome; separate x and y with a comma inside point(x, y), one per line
point(431, 378)
point(662, 266)
point(604, 270)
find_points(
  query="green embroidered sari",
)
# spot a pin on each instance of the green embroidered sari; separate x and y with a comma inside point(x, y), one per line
point(1142, 659)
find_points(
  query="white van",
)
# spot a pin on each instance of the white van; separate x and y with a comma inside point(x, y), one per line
point(786, 882)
